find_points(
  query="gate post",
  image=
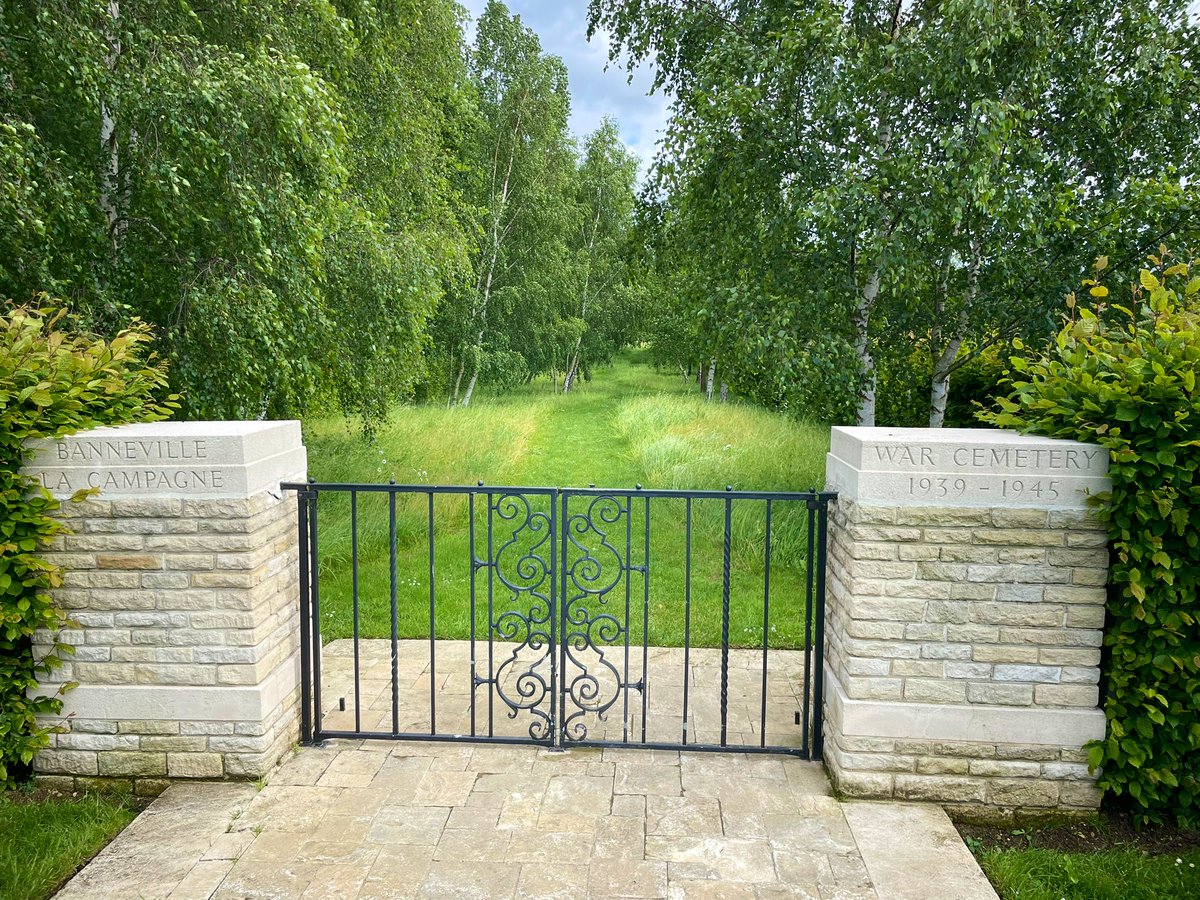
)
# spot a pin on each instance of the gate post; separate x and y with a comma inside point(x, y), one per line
point(182, 572)
point(966, 600)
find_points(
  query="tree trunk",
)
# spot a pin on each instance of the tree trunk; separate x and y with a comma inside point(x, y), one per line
point(701, 374)
point(466, 400)
point(939, 388)
point(486, 278)
point(572, 373)
point(943, 365)
point(866, 302)
point(573, 365)
point(452, 394)
point(110, 148)
point(862, 347)
point(724, 392)
point(712, 374)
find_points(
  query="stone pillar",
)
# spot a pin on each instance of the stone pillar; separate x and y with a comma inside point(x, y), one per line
point(183, 575)
point(966, 590)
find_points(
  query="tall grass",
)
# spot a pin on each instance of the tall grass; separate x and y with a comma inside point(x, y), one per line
point(629, 425)
point(684, 442)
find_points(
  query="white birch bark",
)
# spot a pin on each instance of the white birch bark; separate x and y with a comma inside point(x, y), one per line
point(862, 347)
point(939, 384)
point(487, 277)
point(110, 149)
point(573, 365)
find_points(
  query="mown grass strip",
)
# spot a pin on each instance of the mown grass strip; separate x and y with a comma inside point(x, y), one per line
point(629, 425)
point(44, 841)
point(1106, 875)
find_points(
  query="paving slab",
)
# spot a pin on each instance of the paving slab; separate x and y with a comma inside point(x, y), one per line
point(930, 861)
point(383, 820)
point(740, 826)
point(161, 853)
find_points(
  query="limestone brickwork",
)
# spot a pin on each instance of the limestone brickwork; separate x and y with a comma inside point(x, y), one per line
point(963, 637)
point(182, 574)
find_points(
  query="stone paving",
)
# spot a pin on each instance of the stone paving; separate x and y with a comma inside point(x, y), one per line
point(362, 819)
point(594, 676)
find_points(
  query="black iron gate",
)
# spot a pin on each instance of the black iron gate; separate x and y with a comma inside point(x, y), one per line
point(583, 617)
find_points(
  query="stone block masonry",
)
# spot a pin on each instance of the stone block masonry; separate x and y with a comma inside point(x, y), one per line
point(966, 588)
point(183, 575)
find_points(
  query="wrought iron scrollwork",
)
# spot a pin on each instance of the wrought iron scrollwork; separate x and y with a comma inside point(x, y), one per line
point(594, 567)
point(522, 568)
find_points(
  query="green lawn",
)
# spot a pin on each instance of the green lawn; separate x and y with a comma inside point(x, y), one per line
point(630, 425)
point(44, 840)
point(1108, 875)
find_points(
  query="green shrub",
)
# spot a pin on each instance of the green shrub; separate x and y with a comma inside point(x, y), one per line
point(902, 388)
point(1128, 378)
point(975, 384)
point(52, 383)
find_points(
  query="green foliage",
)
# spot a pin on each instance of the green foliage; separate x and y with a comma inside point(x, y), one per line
point(270, 185)
point(1128, 378)
point(315, 203)
point(628, 425)
point(977, 384)
point(1121, 874)
point(46, 840)
point(927, 176)
point(52, 382)
point(550, 278)
point(903, 389)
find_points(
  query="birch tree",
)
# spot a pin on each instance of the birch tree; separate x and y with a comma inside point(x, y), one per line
point(604, 201)
point(243, 176)
point(884, 175)
point(522, 158)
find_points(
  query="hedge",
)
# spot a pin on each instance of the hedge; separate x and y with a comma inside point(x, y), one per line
point(1127, 377)
point(53, 381)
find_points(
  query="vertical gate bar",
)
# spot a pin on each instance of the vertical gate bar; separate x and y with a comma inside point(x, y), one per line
point(687, 613)
point(645, 621)
point(766, 626)
point(562, 600)
point(628, 579)
point(315, 582)
point(354, 588)
point(305, 599)
point(819, 678)
point(552, 613)
point(808, 615)
point(471, 555)
point(432, 632)
point(394, 611)
point(490, 620)
point(725, 621)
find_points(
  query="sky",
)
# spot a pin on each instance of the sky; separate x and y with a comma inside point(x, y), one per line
point(595, 93)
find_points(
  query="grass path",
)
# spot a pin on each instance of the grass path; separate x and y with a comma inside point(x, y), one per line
point(577, 440)
point(629, 425)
